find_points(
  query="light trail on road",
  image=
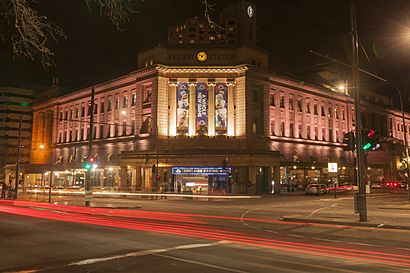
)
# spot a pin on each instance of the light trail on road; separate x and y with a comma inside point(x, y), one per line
point(201, 230)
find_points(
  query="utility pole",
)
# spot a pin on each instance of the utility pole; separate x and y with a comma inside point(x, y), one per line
point(88, 192)
point(18, 160)
point(359, 148)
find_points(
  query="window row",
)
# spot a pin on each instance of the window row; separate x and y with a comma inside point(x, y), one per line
point(324, 111)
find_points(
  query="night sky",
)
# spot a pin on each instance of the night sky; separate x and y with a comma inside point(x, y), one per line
point(95, 51)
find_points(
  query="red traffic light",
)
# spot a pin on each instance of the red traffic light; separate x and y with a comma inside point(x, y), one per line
point(371, 133)
point(91, 159)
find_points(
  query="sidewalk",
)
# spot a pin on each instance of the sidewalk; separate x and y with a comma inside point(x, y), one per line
point(381, 213)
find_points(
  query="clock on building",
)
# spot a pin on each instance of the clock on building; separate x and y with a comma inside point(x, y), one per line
point(201, 56)
point(250, 11)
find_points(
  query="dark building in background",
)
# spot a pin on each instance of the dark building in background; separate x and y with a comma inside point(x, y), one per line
point(15, 103)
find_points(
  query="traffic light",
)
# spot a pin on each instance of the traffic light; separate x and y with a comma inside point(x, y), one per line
point(87, 165)
point(230, 175)
point(154, 168)
point(348, 139)
point(370, 140)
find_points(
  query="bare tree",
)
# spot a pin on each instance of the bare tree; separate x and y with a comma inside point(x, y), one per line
point(29, 34)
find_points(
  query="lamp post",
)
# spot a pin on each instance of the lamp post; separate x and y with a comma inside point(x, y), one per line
point(18, 160)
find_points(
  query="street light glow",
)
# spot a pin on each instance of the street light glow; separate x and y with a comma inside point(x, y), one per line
point(42, 146)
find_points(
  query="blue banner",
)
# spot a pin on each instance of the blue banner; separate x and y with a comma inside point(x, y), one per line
point(221, 107)
point(201, 108)
point(182, 108)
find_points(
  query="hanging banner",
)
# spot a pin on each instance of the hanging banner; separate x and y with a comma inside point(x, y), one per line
point(182, 108)
point(201, 108)
point(221, 105)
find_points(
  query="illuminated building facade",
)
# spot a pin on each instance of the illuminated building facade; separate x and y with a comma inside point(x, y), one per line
point(205, 118)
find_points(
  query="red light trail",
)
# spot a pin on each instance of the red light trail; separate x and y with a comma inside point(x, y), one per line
point(183, 225)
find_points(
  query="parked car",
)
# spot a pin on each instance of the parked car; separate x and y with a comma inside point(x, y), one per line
point(393, 185)
point(376, 185)
point(318, 189)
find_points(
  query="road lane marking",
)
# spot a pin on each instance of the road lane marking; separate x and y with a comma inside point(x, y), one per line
point(271, 231)
point(320, 209)
point(294, 235)
point(131, 254)
point(201, 263)
point(327, 240)
point(144, 253)
point(403, 248)
point(360, 244)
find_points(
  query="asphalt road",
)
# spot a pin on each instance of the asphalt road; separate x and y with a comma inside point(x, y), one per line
point(196, 236)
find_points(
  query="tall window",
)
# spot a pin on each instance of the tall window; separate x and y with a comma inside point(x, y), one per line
point(299, 104)
point(291, 104)
point(282, 102)
point(102, 107)
point(89, 109)
point(109, 104)
point(124, 128)
point(134, 99)
point(272, 99)
point(125, 101)
point(117, 103)
point(308, 107)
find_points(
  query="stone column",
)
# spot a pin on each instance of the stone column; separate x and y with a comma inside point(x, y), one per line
point(276, 179)
point(192, 108)
point(231, 110)
point(172, 104)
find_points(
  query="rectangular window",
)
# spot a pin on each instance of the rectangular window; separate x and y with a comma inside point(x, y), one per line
point(134, 99)
point(116, 130)
point(101, 135)
point(124, 128)
point(89, 109)
point(132, 127)
point(315, 109)
point(272, 99)
point(66, 115)
point(125, 101)
point(61, 116)
point(323, 110)
point(291, 104)
point(82, 111)
point(109, 104)
point(117, 103)
point(76, 112)
point(95, 108)
point(291, 130)
point(102, 107)
point(307, 107)
point(300, 104)
point(282, 102)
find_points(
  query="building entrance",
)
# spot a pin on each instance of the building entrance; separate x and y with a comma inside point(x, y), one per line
point(202, 180)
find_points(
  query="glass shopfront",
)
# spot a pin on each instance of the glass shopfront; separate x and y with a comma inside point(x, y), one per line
point(202, 180)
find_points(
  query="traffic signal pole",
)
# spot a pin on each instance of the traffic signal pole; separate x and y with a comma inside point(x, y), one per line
point(361, 182)
point(87, 187)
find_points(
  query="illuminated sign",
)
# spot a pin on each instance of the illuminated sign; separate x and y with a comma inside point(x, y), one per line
point(201, 170)
point(332, 167)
